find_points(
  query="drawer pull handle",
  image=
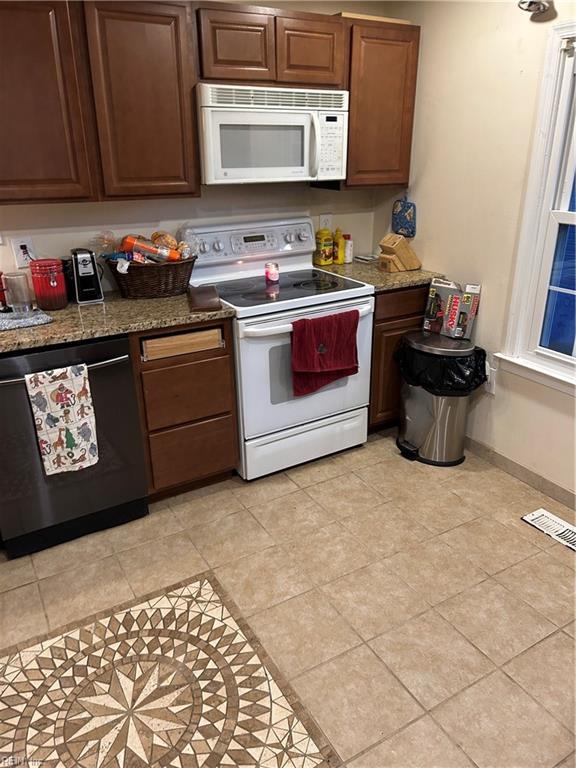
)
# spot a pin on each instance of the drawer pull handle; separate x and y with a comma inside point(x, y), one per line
point(182, 344)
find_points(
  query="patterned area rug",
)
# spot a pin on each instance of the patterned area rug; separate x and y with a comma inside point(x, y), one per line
point(176, 680)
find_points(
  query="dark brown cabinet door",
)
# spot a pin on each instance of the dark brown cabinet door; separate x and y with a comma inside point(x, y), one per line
point(142, 72)
point(385, 386)
point(309, 51)
point(382, 91)
point(237, 45)
point(191, 452)
point(43, 147)
point(188, 392)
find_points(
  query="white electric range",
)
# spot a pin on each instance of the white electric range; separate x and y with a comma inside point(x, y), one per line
point(278, 430)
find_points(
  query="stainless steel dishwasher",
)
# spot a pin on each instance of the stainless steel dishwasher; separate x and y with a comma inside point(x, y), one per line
point(37, 510)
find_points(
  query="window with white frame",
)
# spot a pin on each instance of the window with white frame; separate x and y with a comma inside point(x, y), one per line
point(542, 330)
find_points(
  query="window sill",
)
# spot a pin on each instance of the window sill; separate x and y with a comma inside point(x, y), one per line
point(542, 374)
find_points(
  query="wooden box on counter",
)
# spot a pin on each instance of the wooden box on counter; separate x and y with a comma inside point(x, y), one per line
point(186, 391)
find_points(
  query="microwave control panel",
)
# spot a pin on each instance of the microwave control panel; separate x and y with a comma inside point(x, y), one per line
point(333, 141)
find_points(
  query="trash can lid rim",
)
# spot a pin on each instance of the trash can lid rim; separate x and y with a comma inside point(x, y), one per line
point(436, 344)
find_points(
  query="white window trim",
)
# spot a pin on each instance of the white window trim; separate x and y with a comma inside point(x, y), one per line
point(522, 354)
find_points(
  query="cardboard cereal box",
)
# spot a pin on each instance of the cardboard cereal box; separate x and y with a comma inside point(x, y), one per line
point(451, 308)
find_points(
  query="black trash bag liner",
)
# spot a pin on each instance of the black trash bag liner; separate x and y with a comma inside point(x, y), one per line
point(442, 374)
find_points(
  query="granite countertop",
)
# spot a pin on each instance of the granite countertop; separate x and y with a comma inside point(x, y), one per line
point(114, 316)
point(117, 315)
point(383, 281)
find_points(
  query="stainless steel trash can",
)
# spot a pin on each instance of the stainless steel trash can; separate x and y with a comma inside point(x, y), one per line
point(432, 425)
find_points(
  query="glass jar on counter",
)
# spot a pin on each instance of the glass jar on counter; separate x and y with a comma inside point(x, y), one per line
point(18, 292)
point(49, 283)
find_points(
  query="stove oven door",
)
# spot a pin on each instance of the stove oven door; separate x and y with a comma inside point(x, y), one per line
point(265, 374)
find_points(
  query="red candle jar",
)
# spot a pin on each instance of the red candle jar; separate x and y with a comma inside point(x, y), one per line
point(49, 283)
point(271, 272)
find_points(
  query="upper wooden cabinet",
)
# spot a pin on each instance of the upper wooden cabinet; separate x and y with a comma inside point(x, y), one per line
point(143, 76)
point(310, 51)
point(43, 143)
point(382, 92)
point(244, 44)
point(237, 45)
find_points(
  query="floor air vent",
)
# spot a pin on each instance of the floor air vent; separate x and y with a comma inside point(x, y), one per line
point(553, 526)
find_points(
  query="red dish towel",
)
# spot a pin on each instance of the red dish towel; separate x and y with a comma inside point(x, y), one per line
point(323, 350)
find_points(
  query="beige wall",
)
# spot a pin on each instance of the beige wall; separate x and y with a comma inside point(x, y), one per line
point(478, 82)
point(58, 227)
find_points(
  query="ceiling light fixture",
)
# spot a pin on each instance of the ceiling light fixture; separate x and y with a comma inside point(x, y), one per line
point(534, 6)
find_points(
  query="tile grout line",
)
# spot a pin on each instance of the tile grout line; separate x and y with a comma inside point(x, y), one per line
point(495, 668)
point(319, 586)
point(560, 762)
point(471, 641)
point(432, 711)
point(432, 607)
point(43, 604)
point(379, 559)
point(526, 691)
point(398, 731)
point(435, 534)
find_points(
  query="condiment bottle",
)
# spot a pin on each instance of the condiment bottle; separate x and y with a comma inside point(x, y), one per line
point(348, 249)
point(338, 246)
point(324, 252)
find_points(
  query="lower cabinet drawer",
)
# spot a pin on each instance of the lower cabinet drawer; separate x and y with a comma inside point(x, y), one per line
point(401, 303)
point(188, 453)
point(183, 393)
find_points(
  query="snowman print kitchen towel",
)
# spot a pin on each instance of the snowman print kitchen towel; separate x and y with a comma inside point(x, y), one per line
point(64, 417)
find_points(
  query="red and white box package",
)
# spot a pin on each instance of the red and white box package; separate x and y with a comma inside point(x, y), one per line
point(451, 308)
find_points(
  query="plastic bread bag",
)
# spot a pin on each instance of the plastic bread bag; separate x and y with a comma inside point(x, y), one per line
point(188, 238)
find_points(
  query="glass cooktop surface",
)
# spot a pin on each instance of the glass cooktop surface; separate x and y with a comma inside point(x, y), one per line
point(253, 291)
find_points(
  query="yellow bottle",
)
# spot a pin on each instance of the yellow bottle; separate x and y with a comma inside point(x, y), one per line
point(324, 252)
point(339, 247)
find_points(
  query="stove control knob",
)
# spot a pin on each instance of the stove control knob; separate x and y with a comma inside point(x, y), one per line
point(218, 245)
point(203, 246)
point(303, 235)
point(289, 237)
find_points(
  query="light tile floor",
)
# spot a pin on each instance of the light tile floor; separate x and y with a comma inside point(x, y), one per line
point(422, 624)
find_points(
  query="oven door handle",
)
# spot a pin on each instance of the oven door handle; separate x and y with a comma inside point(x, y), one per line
point(277, 330)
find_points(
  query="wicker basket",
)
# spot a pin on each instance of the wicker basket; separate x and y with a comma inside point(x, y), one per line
point(155, 281)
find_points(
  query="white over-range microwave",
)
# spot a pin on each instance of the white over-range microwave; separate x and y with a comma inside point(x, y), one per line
point(250, 135)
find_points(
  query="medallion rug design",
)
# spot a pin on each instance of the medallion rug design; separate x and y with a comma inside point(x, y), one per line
point(174, 680)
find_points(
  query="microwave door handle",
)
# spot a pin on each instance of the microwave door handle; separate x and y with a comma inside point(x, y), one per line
point(276, 330)
point(315, 145)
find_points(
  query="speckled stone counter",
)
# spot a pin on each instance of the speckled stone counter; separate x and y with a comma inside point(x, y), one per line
point(384, 281)
point(114, 316)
